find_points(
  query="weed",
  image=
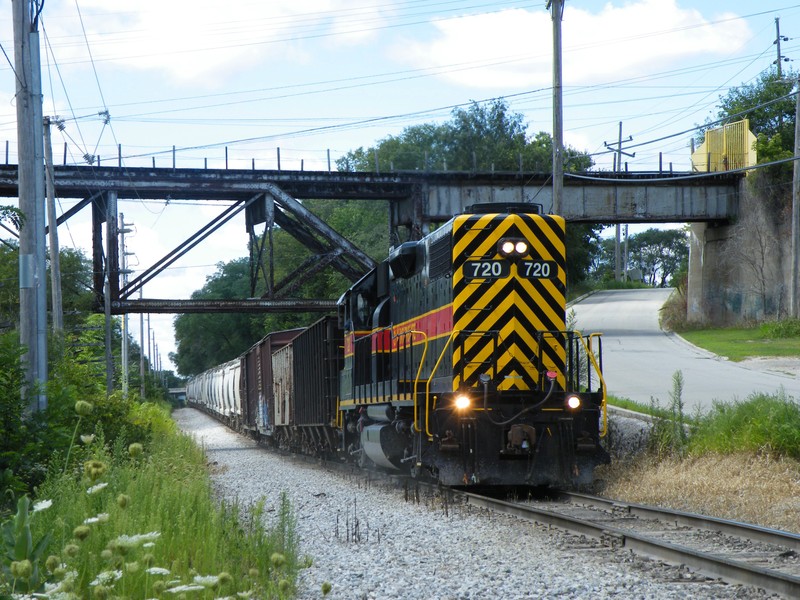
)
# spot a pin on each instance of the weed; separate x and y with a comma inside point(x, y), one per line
point(669, 436)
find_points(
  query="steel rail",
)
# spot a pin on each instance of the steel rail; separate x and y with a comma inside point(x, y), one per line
point(714, 566)
point(735, 528)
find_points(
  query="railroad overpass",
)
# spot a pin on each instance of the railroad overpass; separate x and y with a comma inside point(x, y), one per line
point(416, 200)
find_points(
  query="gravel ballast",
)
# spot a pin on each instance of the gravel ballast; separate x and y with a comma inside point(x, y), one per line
point(370, 542)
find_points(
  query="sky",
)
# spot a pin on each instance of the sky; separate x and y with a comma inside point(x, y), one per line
point(317, 78)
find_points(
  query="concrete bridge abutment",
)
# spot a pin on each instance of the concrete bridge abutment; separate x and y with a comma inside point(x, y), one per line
point(739, 271)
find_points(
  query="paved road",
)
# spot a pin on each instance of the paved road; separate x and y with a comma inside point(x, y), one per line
point(639, 359)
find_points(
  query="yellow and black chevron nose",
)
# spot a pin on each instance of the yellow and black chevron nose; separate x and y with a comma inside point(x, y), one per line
point(509, 284)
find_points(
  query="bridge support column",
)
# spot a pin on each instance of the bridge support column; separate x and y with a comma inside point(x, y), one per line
point(694, 284)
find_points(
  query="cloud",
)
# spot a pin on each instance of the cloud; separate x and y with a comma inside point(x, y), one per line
point(515, 45)
point(202, 40)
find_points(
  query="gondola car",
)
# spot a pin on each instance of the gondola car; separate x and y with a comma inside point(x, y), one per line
point(452, 360)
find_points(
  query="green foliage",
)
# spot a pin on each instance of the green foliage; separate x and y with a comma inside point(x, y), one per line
point(767, 104)
point(20, 560)
point(762, 423)
point(77, 296)
point(771, 112)
point(738, 343)
point(21, 456)
point(146, 520)
point(661, 255)
point(582, 248)
point(9, 286)
point(780, 329)
point(12, 215)
point(483, 137)
point(76, 278)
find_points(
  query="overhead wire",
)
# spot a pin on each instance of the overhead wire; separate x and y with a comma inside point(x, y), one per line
point(351, 124)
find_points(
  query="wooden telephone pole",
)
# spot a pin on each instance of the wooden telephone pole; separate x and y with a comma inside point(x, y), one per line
point(31, 177)
point(558, 119)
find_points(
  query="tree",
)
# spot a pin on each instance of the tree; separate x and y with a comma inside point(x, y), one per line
point(659, 253)
point(770, 109)
point(483, 137)
point(767, 105)
point(205, 340)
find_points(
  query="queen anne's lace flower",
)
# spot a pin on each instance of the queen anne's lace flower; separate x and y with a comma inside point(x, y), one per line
point(132, 541)
point(96, 488)
point(42, 505)
point(106, 578)
point(206, 580)
point(185, 588)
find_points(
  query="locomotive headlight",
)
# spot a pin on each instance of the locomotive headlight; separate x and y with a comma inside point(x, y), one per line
point(462, 402)
point(513, 247)
point(573, 402)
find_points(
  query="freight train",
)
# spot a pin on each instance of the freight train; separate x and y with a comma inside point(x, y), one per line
point(450, 360)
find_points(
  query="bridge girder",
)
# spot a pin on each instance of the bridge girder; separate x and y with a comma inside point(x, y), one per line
point(416, 199)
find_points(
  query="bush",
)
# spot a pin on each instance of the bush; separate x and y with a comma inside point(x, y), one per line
point(762, 423)
point(784, 328)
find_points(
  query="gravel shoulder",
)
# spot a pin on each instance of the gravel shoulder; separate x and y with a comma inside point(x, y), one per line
point(781, 366)
point(369, 542)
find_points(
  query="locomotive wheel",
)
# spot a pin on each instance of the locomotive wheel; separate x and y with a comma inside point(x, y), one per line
point(363, 460)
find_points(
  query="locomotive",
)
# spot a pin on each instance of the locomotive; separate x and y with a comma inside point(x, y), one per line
point(451, 360)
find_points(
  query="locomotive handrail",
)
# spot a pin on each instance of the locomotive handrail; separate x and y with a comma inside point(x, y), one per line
point(421, 364)
point(428, 382)
point(453, 334)
point(591, 356)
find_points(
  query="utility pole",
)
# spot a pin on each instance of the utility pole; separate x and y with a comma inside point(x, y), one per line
point(30, 142)
point(778, 39)
point(794, 303)
point(123, 229)
point(142, 388)
point(618, 169)
point(558, 118)
point(111, 251)
point(55, 260)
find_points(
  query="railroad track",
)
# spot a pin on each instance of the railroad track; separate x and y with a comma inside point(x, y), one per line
point(728, 550)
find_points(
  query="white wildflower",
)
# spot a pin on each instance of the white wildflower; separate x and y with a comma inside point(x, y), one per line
point(131, 541)
point(96, 488)
point(186, 588)
point(106, 578)
point(100, 518)
point(206, 580)
point(158, 571)
point(42, 505)
point(148, 545)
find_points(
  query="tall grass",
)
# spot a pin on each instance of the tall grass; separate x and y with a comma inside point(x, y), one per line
point(139, 521)
point(762, 423)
